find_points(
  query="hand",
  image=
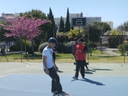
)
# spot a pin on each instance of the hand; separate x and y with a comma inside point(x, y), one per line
point(56, 68)
point(46, 71)
point(55, 52)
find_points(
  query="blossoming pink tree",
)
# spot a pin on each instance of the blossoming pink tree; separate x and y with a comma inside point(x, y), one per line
point(26, 28)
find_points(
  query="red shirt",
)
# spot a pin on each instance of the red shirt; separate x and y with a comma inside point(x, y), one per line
point(80, 55)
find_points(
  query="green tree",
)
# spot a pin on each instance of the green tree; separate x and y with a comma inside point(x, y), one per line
point(123, 26)
point(53, 27)
point(61, 25)
point(2, 32)
point(120, 28)
point(102, 26)
point(123, 48)
point(94, 33)
point(126, 26)
point(67, 24)
point(34, 13)
point(126, 48)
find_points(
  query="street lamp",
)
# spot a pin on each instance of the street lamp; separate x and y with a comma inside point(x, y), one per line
point(21, 44)
point(88, 41)
point(124, 42)
point(101, 44)
point(79, 32)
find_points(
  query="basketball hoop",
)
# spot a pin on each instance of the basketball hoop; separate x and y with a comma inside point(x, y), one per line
point(79, 21)
point(78, 24)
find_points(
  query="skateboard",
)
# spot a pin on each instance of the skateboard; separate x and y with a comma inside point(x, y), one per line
point(67, 94)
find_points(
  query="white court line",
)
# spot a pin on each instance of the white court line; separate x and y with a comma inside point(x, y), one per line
point(28, 65)
point(6, 75)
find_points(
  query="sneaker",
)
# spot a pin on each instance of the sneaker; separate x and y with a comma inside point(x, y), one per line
point(87, 63)
point(62, 94)
point(54, 92)
point(75, 78)
point(83, 77)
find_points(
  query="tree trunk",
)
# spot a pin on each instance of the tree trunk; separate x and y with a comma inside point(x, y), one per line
point(25, 50)
point(32, 47)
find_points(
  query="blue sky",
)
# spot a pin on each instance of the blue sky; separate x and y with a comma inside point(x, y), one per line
point(114, 10)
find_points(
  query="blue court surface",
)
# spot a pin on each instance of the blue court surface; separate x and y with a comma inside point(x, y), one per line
point(39, 85)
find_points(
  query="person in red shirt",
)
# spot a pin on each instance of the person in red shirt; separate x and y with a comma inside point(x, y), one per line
point(74, 49)
point(80, 58)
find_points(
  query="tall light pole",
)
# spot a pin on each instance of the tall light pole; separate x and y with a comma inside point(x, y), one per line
point(88, 41)
point(101, 44)
point(79, 31)
point(21, 45)
point(124, 42)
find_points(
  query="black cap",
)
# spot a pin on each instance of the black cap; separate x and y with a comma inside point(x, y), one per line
point(52, 40)
point(81, 39)
point(75, 39)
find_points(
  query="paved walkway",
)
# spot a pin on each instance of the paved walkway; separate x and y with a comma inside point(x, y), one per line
point(110, 51)
point(28, 79)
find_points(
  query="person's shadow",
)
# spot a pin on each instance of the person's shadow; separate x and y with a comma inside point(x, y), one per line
point(59, 71)
point(92, 82)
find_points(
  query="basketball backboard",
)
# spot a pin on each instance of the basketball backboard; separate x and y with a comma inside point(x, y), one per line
point(78, 21)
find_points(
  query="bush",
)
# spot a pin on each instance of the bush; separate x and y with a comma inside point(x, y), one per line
point(92, 45)
point(17, 46)
point(121, 48)
point(42, 46)
point(68, 47)
point(61, 37)
point(60, 48)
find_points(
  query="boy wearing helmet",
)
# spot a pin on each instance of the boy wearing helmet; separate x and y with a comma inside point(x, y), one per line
point(49, 67)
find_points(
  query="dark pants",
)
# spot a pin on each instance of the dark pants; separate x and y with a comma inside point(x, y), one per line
point(75, 59)
point(80, 67)
point(86, 65)
point(56, 86)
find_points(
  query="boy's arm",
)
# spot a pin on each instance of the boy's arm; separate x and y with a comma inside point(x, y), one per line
point(54, 64)
point(45, 64)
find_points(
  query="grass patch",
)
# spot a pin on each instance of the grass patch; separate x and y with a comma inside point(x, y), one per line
point(37, 57)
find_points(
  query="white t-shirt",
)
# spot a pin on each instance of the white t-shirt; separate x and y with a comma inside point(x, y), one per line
point(49, 60)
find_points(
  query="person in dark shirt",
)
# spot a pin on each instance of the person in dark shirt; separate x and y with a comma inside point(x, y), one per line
point(54, 56)
point(74, 49)
point(86, 64)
